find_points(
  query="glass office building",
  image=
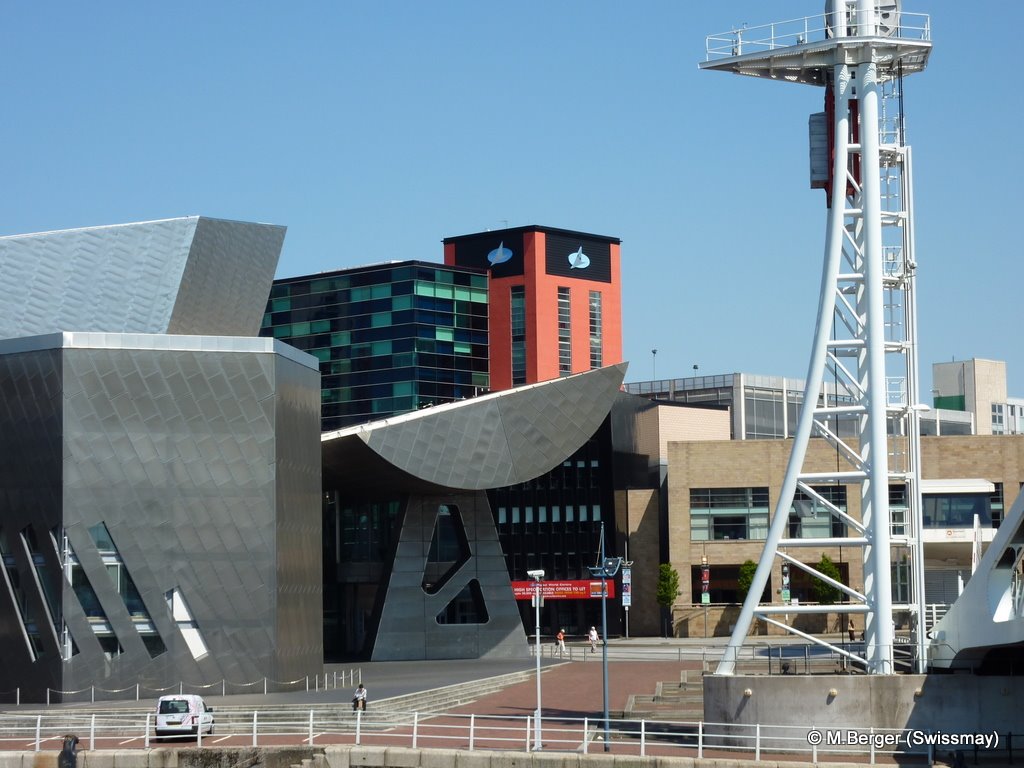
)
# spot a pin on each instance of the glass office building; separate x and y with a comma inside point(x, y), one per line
point(391, 337)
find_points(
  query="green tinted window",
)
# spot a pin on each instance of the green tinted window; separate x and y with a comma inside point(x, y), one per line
point(380, 320)
point(381, 348)
point(401, 302)
point(444, 291)
point(341, 339)
point(462, 348)
point(323, 355)
point(300, 329)
point(280, 305)
point(424, 289)
point(320, 326)
point(380, 291)
point(444, 334)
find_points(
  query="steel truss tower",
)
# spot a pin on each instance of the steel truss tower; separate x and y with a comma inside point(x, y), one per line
point(862, 383)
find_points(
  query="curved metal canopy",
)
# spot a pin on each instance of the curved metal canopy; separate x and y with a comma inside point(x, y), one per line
point(485, 442)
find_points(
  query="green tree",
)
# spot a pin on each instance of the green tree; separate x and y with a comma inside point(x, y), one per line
point(824, 593)
point(666, 592)
point(745, 579)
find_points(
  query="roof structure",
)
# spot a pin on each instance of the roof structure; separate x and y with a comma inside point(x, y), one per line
point(485, 442)
point(191, 275)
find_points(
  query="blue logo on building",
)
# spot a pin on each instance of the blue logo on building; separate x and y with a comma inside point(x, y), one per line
point(579, 260)
point(499, 255)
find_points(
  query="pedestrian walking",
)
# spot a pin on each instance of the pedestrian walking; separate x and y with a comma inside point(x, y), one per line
point(359, 699)
point(560, 639)
point(592, 636)
point(851, 630)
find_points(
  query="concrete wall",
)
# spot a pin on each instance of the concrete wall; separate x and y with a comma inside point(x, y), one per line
point(379, 757)
point(950, 703)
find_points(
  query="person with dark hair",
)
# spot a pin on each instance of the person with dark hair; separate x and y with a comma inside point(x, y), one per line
point(68, 757)
point(359, 699)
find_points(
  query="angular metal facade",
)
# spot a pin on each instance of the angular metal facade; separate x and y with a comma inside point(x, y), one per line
point(196, 460)
point(409, 627)
point(445, 457)
point(191, 275)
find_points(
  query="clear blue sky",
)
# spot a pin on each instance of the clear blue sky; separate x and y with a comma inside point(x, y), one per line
point(374, 129)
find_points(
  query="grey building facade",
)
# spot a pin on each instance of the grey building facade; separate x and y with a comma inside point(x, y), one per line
point(160, 507)
point(413, 567)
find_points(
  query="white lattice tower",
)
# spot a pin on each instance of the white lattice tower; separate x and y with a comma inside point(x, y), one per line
point(862, 383)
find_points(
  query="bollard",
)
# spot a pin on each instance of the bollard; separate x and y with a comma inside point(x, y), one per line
point(643, 737)
point(92, 732)
point(586, 734)
point(254, 715)
point(145, 741)
point(68, 757)
point(472, 731)
point(415, 728)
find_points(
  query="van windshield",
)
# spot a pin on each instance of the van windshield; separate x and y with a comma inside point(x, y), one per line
point(173, 707)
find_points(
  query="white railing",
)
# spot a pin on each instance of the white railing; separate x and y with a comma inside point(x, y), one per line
point(809, 29)
point(328, 681)
point(426, 730)
point(768, 658)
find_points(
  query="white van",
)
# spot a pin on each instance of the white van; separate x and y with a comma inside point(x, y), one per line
point(182, 715)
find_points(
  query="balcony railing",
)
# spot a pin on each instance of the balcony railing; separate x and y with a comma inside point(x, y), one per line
point(809, 29)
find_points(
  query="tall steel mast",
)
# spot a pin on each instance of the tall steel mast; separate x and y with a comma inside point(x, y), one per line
point(861, 390)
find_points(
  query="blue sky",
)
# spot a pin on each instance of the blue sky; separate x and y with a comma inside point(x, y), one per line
point(372, 130)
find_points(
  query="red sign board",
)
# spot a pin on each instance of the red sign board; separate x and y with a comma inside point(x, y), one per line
point(580, 589)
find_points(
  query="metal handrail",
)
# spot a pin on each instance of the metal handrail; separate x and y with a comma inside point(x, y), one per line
point(323, 726)
point(808, 29)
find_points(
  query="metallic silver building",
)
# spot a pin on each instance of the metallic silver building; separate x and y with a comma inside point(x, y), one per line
point(160, 509)
point(427, 579)
point(193, 275)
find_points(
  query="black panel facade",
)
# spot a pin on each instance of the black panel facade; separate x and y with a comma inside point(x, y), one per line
point(499, 252)
point(584, 257)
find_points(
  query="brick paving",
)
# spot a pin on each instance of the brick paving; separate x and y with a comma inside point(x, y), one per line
point(575, 689)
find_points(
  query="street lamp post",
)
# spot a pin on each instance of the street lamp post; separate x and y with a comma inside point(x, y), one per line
point(608, 567)
point(537, 576)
